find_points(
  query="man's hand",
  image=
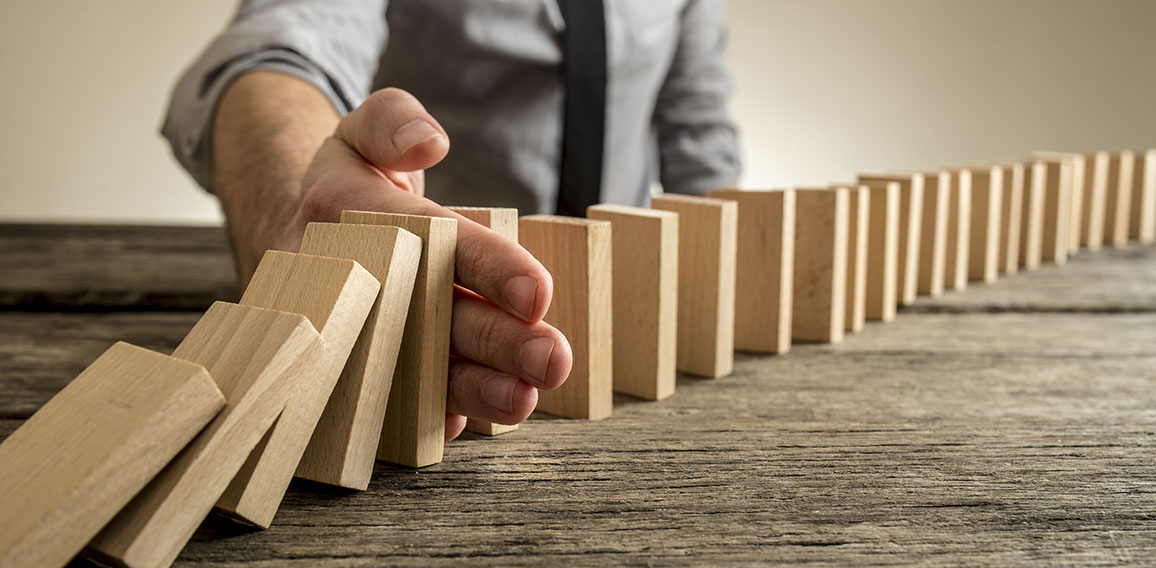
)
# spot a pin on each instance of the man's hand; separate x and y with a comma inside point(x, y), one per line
point(373, 161)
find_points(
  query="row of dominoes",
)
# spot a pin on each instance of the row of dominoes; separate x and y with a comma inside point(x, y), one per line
point(338, 355)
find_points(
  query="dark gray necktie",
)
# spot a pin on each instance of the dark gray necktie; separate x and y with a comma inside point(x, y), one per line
point(584, 117)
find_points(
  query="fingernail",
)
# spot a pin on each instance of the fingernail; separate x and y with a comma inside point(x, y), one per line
point(535, 359)
point(413, 133)
point(499, 394)
point(520, 295)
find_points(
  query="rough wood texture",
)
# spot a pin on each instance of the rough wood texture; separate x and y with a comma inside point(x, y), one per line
point(859, 209)
point(957, 251)
point(1118, 200)
point(645, 307)
point(344, 443)
point(1032, 223)
point(504, 221)
point(820, 272)
point(1056, 201)
point(707, 281)
point(336, 296)
point(1036, 450)
point(883, 252)
point(933, 231)
point(413, 433)
point(82, 457)
point(1095, 193)
point(1011, 218)
point(987, 187)
point(1143, 225)
point(257, 357)
point(911, 187)
point(577, 252)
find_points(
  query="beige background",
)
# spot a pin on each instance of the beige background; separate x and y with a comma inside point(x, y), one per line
point(825, 88)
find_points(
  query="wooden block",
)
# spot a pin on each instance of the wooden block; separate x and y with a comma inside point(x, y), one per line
point(820, 272)
point(344, 443)
point(1057, 188)
point(958, 246)
point(69, 469)
point(882, 251)
point(645, 253)
point(1118, 201)
point(716, 275)
point(257, 357)
point(1080, 165)
point(1032, 221)
point(858, 218)
point(1143, 225)
point(1009, 233)
point(987, 185)
point(413, 433)
point(504, 221)
point(1095, 194)
point(910, 229)
point(336, 295)
point(933, 231)
point(577, 253)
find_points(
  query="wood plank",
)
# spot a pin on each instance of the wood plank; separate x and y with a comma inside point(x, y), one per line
point(910, 229)
point(504, 221)
point(883, 252)
point(413, 433)
point(1143, 225)
point(1095, 195)
point(577, 253)
point(933, 231)
point(987, 186)
point(645, 305)
point(859, 208)
point(1011, 219)
point(1032, 223)
point(69, 469)
point(344, 443)
point(336, 296)
point(1056, 201)
point(257, 357)
point(1118, 200)
point(736, 264)
point(820, 271)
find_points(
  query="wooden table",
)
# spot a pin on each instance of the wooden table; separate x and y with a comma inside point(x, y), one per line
point(1011, 423)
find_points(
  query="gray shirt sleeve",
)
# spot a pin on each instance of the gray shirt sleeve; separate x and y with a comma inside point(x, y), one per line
point(697, 142)
point(335, 45)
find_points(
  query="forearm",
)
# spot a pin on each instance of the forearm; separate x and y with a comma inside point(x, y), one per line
point(266, 130)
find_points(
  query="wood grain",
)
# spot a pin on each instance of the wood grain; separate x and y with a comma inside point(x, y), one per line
point(1011, 218)
point(1095, 195)
point(645, 306)
point(577, 252)
point(1118, 199)
point(344, 443)
point(73, 465)
point(820, 271)
point(413, 433)
point(933, 232)
point(987, 187)
point(1032, 223)
point(1143, 224)
point(257, 357)
point(504, 221)
point(911, 187)
point(859, 206)
point(736, 264)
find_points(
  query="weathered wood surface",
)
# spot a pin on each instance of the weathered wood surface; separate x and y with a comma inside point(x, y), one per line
point(1012, 423)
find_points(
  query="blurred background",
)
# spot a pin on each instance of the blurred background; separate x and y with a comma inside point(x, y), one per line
point(824, 89)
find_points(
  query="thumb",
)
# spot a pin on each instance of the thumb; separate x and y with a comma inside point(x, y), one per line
point(393, 131)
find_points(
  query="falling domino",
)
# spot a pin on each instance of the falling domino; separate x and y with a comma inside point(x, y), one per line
point(820, 265)
point(1095, 194)
point(645, 251)
point(1118, 202)
point(68, 470)
point(1011, 218)
point(716, 275)
point(910, 227)
point(1143, 225)
point(933, 250)
point(504, 221)
point(257, 357)
point(957, 251)
point(987, 186)
point(859, 215)
point(413, 433)
point(882, 251)
point(577, 254)
point(336, 295)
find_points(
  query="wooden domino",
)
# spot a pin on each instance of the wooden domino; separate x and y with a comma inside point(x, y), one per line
point(716, 274)
point(882, 251)
point(344, 444)
point(577, 253)
point(958, 245)
point(257, 357)
point(68, 470)
point(1118, 200)
point(645, 305)
point(504, 221)
point(1143, 224)
point(1095, 194)
point(1011, 218)
point(1078, 191)
point(933, 230)
point(910, 229)
point(336, 296)
point(859, 215)
point(1032, 220)
point(820, 271)
point(987, 185)
point(1056, 201)
point(413, 432)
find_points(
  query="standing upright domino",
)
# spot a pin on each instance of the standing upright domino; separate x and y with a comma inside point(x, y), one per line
point(1118, 203)
point(577, 254)
point(504, 221)
point(1143, 225)
point(413, 433)
point(882, 251)
point(957, 251)
point(1032, 222)
point(1076, 199)
point(257, 357)
point(645, 251)
point(859, 215)
point(1011, 218)
point(933, 250)
point(1057, 191)
point(344, 444)
point(910, 229)
point(987, 186)
point(820, 272)
point(736, 248)
point(68, 470)
point(1095, 194)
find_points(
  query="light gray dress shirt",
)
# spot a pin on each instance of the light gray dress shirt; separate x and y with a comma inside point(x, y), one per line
point(489, 71)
